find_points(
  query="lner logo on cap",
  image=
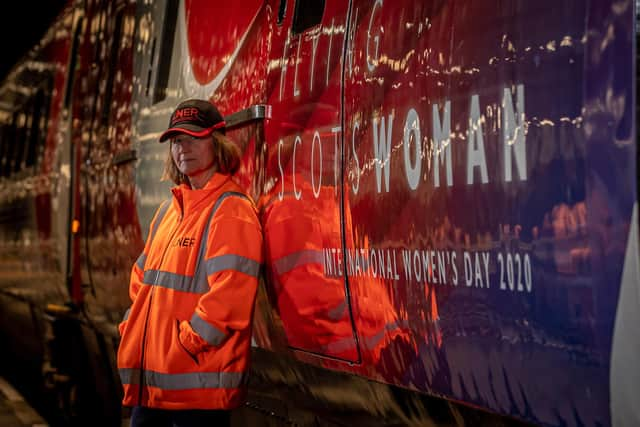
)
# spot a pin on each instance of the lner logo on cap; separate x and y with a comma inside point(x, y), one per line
point(195, 117)
point(188, 113)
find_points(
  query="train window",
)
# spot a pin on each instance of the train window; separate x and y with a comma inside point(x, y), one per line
point(28, 135)
point(113, 61)
point(97, 35)
point(307, 14)
point(17, 150)
point(281, 11)
point(9, 141)
point(75, 53)
point(150, 71)
point(4, 143)
point(35, 131)
point(166, 46)
point(44, 118)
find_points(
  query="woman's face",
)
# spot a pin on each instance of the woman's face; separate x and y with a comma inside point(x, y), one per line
point(192, 156)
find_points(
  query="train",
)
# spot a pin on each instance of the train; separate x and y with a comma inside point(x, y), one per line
point(447, 190)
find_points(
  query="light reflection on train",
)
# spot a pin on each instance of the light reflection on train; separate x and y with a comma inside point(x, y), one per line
point(447, 191)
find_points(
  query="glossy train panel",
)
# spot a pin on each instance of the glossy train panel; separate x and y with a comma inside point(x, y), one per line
point(447, 189)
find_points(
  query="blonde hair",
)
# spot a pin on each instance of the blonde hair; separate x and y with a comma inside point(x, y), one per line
point(226, 155)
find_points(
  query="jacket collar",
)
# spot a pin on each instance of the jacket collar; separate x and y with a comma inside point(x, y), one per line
point(186, 199)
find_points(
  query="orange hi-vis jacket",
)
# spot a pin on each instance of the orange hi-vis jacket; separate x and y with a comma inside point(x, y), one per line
point(186, 338)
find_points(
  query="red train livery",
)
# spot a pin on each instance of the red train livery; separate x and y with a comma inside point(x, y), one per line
point(447, 189)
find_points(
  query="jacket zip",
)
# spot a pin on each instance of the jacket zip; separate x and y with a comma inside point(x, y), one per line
point(146, 320)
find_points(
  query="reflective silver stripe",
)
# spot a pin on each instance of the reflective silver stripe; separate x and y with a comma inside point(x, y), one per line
point(187, 381)
point(210, 334)
point(126, 314)
point(198, 283)
point(339, 346)
point(200, 274)
point(339, 311)
point(193, 380)
point(232, 262)
point(175, 281)
point(348, 343)
point(161, 212)
point(129, 376)
point(141, 260)
point(224, 196)
point(296, 259)
point(372, 341)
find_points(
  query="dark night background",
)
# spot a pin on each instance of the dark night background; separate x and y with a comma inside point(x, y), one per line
point(22, 25)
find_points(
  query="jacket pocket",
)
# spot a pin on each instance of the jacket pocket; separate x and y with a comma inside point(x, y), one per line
point(191, 355)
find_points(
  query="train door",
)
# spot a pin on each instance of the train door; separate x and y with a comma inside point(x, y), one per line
point(301, 208)
point(397, 65)
point(101, 231)
point(107, 160)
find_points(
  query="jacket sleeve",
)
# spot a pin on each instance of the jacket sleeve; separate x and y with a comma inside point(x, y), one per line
point(232, 262)
point(137, 271)
point(137, 274)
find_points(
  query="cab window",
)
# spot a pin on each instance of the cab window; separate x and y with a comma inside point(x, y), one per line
point(307, 14)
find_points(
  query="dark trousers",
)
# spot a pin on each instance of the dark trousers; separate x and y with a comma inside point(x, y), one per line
point(151, 417)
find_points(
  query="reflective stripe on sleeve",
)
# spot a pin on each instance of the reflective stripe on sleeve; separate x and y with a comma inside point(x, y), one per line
point(141, 260)
point(200, 273)
point(209, 333)
point(126, 314)
point(297, 259)
point(186, 381)
point(178, 282)
point(232, 262)
point(129, 376)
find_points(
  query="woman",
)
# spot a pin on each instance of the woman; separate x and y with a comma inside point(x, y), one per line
point(184, 352)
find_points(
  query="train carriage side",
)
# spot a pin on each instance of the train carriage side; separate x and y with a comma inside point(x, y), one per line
point(432, 195)
point(484, 228)
point(68, 124)
point(35, 201)
point(492, 133)
point(447, 189)
point(109, 235)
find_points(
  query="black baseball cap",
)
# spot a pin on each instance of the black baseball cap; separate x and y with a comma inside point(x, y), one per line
point(195, 117)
